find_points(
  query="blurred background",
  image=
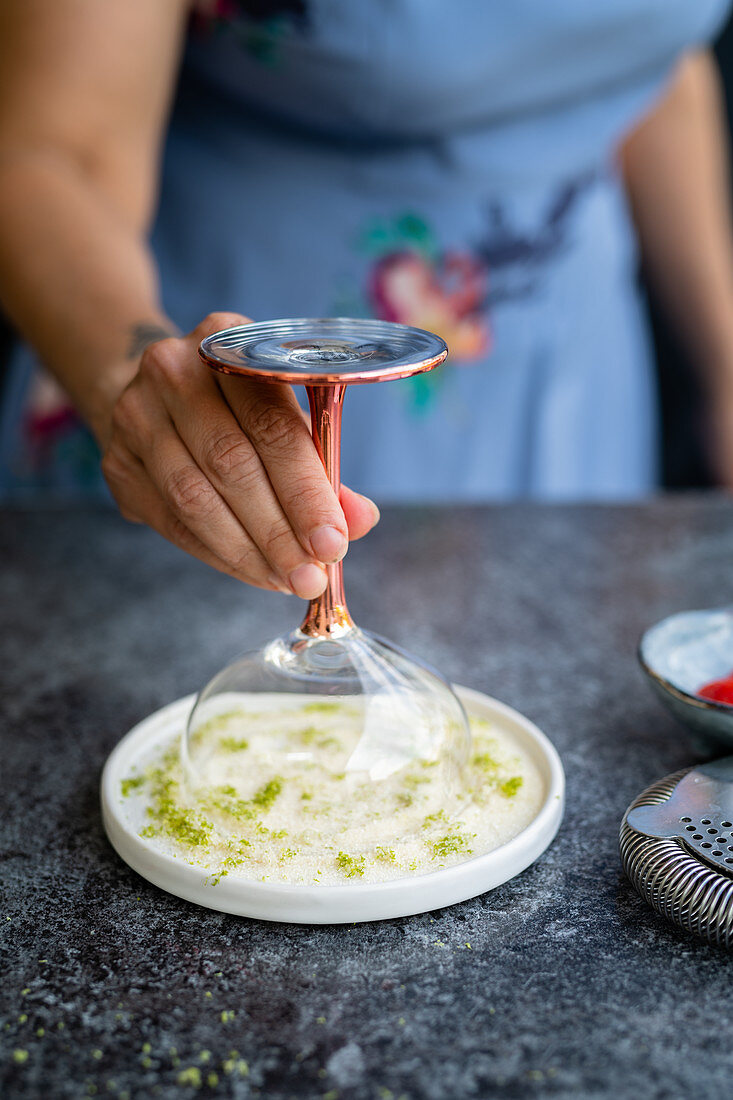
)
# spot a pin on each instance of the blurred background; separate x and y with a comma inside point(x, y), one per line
point(683, 461)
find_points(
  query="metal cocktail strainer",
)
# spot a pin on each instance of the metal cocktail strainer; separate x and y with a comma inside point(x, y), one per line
point(676, 844)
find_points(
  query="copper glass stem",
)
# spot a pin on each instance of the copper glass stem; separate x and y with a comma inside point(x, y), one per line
point(328, 614)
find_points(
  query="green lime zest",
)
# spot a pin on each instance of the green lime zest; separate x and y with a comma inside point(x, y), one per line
point(131, 784)
point(170, 819)
point(190, 1076)
point(233, 744)
point(485, 762)
point(438, 818)
point(449, 845)
point(228, 864)
point(266, 795)
point(350, 865)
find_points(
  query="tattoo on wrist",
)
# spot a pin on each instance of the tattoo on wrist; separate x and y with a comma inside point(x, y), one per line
point(144, 333)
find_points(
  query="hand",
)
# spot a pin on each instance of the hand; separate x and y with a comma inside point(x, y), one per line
point(226, 469)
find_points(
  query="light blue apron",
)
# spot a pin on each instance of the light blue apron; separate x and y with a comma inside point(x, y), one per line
point(444, 165)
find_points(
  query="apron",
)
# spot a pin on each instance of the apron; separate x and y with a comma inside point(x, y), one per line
point(445, 165)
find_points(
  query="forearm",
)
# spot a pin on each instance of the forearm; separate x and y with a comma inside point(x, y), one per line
point(76, 277)
point(676, 171)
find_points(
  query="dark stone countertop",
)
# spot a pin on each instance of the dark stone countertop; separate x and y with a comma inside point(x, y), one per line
point(571, 987)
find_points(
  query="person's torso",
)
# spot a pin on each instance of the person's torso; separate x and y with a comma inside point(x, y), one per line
point(409, 70)
point(443, 165)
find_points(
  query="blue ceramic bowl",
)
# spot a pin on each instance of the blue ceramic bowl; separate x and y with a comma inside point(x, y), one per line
point(681, 654)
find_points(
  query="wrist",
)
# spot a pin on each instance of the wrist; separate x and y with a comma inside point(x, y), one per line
point(109, 382)
point(101, 397)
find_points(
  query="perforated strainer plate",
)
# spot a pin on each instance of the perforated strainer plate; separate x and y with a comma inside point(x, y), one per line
point(676, 844)
point(699, 811)
point(704, 837)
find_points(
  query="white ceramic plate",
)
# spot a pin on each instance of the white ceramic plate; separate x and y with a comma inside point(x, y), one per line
point(331, 904)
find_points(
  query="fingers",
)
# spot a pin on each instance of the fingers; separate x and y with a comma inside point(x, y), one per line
point(280, 433)
point(361, 513)
point(216, 322)
point(289, 491)
point(230, 465)
point(271, 418)
point(147, 434)
point(173, 496)
point(140, 502)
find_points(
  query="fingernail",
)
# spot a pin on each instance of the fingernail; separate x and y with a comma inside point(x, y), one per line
point(372, 505)
point(328, 544)
point(307, 581)
point(278, 584)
